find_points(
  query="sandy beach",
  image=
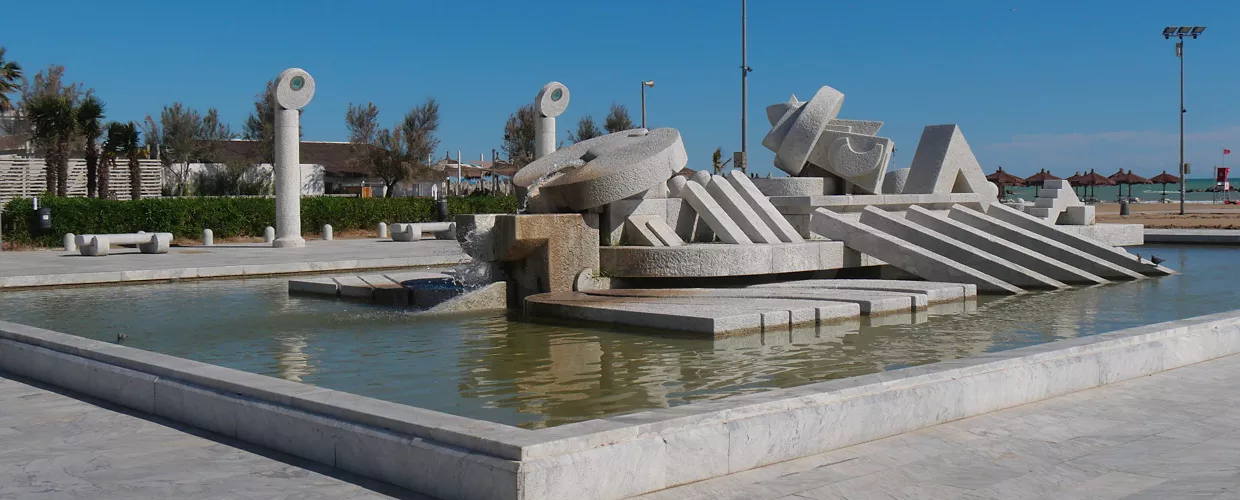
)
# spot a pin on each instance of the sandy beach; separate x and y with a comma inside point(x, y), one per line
point(1167, 215)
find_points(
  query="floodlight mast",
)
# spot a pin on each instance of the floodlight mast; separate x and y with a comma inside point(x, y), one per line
point(1180, 32)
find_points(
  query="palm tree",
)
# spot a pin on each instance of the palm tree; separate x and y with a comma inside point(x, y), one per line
point(113, 148)
point(717, 162)
point(130, 144)
point(90, 124)
point(54, 122)
point(10, 80)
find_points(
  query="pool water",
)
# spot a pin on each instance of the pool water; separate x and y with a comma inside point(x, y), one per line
point(533, 375)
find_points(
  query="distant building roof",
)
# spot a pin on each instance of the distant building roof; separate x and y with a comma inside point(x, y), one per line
point(333, 156)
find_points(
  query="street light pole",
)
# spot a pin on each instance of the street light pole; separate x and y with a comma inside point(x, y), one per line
point(1180, 32)
point(647, 83)
point(744, 163)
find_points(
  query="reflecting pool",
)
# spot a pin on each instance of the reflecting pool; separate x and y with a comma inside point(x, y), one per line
point(534, 375)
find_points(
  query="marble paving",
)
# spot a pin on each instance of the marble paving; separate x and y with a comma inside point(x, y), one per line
point(50, 268)
point(55, 446)
point(1175, 434)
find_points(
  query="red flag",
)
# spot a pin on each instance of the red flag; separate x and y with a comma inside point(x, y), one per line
point(1226, 151)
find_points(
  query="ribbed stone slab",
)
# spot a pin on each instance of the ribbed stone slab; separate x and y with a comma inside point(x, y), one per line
point(904, 254)
point(957, 250)
point(870, 301)
point(1015, 253)
point(714, 215)
point(316, 286)
point(1103, 251)
point(1042, 245)
point(353, 286)
point(740, 211)
point(763, 207)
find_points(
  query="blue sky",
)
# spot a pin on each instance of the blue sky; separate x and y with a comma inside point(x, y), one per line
point(1065, 85)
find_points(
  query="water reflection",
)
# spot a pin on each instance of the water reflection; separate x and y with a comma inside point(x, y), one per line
point(545, 374)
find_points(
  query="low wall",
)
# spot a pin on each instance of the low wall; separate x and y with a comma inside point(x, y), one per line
point(612, 458)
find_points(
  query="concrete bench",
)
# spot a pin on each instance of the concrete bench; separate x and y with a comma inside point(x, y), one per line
point(97, 245)
point(413, 232)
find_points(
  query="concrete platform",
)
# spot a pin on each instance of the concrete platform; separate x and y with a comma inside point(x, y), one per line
point(1193, 236)
point(935, 292)
point(51, 268)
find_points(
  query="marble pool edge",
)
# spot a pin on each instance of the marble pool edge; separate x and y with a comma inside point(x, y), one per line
point(450, 456)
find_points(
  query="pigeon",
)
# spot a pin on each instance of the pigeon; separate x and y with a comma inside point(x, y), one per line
point(1157, 260)
point(120, 337)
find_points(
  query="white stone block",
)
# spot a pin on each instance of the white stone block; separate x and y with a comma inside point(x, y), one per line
point(714, 215)
point(894, 182)
point(638, 234)
point(944, 163)
point(663, 232)
point(790, 186)
point(762, 206)
point(1083, 215)
point(796, 134)
point(740, 211)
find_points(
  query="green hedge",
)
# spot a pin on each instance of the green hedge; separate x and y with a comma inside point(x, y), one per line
point(187, 217)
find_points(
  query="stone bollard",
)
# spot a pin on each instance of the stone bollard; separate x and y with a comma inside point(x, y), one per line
point(269, 234)
point(383, 230)
point(327, 232)
point(70, 242)
point(208, 237)
point(1124, 209)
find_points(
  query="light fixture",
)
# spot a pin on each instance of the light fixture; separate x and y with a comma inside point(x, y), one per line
point(648, 83)
point(1183, 30)
point(1168, 31)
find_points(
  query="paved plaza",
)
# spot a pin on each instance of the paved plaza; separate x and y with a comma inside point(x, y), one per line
point(1171, 435)
point(51, 268)
point(1174, 434)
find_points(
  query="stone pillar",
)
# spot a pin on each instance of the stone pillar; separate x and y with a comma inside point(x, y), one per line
point(70, 242)
point(208, 237)
point(294, 89)
point(269, 235)
point(552, 100)
point(327, 232)
point(383, 230)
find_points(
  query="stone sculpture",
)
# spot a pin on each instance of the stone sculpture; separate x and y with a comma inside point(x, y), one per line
point(809, 140)
point(598, 171)
point(944, 163)
point(293, 90)
point(552, 100)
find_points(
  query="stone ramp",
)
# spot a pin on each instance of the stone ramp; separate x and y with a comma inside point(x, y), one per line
point(1103, 251)
point(904, 254)
point(1015, 253)
point(1086, 261)
point(959, 251)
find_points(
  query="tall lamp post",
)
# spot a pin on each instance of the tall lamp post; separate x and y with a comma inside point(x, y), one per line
point(1180, 32)
point(647, 83)
point(743, 162)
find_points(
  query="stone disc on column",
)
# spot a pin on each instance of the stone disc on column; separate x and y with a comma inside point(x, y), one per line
point(552, 100)
point(294, 88)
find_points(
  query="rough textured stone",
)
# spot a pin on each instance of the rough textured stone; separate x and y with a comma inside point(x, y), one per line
point(1120, 235)
point(795, 134)
point(903, 254)
point(957, 250)
point(944, 163)
point(551, 102)
point(763, 207)
point(598, 171)
point(674, 211)
point(293, 90)
point(492, 296)
point(1104, 251)
point(739, 210)
point(998, 246)
point(791, 186)
point(729, 260)
point(1078, 216)
point(663, 232)
point(709, 210)
point(637, 233)
point(539, 253)
point(935, 292)
point(859, 159)
point(894, 182)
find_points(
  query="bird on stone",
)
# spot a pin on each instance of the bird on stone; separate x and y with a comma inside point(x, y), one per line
point(1157, 260)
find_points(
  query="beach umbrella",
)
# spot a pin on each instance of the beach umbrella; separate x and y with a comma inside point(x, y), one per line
point(1164, 178)
point(1135, 179)
point(1040, 178)
point(1074, 181)
point(1003, 180)
point(1094, 179)
point(1120, 178)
